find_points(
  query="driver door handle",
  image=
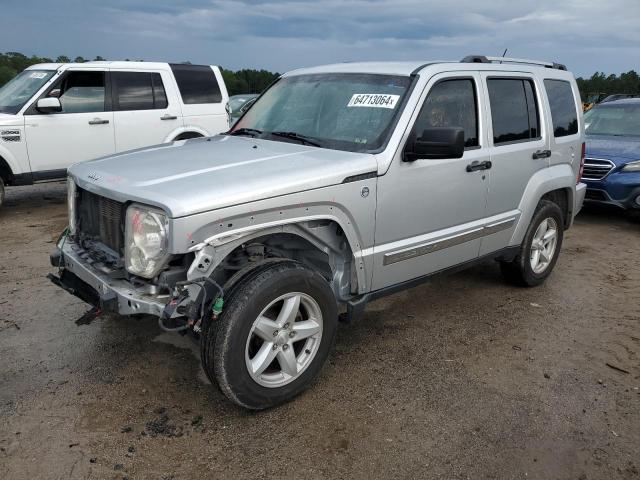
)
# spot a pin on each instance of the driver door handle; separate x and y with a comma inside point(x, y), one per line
point(541, 154)
point(98, 121)
point(168, 117)
point(476, 165)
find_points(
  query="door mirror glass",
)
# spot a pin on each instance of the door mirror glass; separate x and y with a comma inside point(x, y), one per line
point(49, 105)
point(436, 142)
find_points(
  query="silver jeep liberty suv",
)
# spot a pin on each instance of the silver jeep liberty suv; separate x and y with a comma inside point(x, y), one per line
point(339, 185)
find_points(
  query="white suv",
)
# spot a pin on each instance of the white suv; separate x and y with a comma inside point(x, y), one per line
point(54, 115)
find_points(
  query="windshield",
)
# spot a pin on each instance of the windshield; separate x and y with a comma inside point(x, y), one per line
point(21, 88)
point(352, 112)
point(620, 120)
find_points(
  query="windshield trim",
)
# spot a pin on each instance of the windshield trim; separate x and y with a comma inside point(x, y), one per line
point(391, 127)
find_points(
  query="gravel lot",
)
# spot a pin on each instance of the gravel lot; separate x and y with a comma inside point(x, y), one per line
point(465, 377)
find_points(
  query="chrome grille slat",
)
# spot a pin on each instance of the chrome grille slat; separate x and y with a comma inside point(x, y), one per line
point(596, 168)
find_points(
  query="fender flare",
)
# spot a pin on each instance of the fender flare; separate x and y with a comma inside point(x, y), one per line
point(184, 129)
point(556, 177)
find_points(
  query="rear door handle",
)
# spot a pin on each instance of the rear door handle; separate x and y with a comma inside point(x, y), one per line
point(541, 154)
point(98, 121)
point(168, 117)
point(476, 165)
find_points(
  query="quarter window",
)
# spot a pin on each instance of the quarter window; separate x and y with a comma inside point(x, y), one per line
point(197, 84)
point(514, 111)
point(138, 91)
point(563, 107)
point(81, 92)
point(451, 103)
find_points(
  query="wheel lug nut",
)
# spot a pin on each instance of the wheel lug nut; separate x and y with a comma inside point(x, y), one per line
point(275, 333)
point(275, 346)
point(285, 347)
point(292, 334)
point(286, 325)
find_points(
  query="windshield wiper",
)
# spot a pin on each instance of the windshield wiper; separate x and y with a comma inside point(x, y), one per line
point(246, 131)
point(296, 136)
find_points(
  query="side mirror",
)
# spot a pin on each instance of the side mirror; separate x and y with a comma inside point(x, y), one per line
point(436, 142)
point(247, 104)
point(49, 105)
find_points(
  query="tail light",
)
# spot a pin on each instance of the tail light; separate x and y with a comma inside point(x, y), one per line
point(583, 154)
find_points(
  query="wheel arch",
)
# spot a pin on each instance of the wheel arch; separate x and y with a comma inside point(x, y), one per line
point(186, 132)
point(321, 243)
point(6, 172)
point(557, 184)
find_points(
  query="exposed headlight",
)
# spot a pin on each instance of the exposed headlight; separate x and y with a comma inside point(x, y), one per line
point(72, 193)
point(145, 240)
point(632, 167)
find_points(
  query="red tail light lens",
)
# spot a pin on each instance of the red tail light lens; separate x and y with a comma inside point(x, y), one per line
point(582, 156)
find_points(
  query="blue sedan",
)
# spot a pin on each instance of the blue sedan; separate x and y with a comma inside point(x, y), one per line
point(612, 164)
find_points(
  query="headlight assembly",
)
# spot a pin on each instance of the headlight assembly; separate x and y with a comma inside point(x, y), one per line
point(632, 167)
point(145, 239)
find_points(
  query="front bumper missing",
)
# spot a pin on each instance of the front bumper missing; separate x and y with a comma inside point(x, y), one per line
point(95, 287)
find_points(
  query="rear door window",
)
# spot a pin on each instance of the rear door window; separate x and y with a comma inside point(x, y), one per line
point(138, 91)
point(514, 110)
point(197, 84)
point(563, 107)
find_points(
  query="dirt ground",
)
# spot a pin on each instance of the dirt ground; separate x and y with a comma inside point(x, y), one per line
point(465, 377)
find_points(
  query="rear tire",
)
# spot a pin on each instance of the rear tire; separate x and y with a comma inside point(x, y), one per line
point(273, 336)
point(540, 248)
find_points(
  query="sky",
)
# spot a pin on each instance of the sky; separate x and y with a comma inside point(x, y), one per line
point(586, 35)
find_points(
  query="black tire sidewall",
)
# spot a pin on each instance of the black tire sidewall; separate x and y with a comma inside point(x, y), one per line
point(545, 210)
point(235, 323)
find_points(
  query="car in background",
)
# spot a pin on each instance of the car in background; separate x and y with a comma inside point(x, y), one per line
point(238, 104)
point(612, 163)
point(56, 114)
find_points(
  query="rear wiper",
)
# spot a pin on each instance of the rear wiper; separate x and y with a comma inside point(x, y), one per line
point(246, 131)
point(296, 136)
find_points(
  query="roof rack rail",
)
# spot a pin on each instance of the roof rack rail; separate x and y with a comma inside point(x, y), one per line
point(484, 59)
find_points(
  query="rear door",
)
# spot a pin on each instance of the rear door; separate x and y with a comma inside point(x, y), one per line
point(519, 147)
point(144, 113)
point(82, 131)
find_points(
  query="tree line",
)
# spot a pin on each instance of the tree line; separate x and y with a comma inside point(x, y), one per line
point(241, 81)
point(255, 81)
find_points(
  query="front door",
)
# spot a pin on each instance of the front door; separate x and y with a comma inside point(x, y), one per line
point(430, 213)
point(82, 131)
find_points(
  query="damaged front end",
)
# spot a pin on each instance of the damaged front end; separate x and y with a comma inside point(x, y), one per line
point(115, 256)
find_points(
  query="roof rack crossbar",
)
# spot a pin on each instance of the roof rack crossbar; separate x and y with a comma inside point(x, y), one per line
point(485, 59)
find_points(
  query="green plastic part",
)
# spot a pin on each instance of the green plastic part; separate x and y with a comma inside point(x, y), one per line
point(217, 306)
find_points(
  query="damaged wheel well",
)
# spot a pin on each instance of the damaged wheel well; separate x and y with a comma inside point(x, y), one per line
point(320, 245)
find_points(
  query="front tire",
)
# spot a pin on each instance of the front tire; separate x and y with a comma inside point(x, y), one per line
point(540, 248)
point(273, 336)
point(1, 192)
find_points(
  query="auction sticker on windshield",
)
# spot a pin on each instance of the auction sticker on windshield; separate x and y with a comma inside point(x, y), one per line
point(376, 100)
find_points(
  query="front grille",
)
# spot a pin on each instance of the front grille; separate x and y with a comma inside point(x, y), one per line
point(596, 168)
point(100, 219)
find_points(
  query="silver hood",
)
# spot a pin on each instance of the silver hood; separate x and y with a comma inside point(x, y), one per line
point(193, 176)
